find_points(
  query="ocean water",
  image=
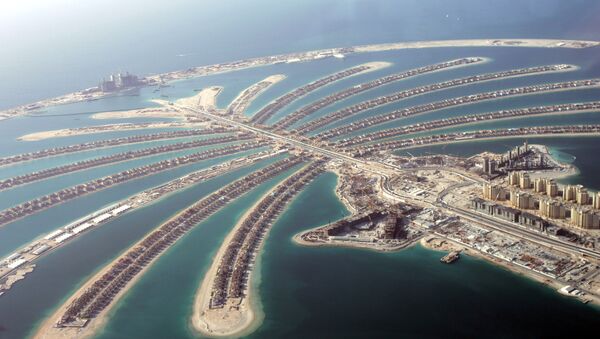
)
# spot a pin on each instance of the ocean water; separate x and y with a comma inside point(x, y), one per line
point(305, 292)
point(334, 292)
point(59, 274)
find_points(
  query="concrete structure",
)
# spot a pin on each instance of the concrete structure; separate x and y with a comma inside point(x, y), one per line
point(552, 209)
point(569, 193)
point(582, 196)
point(528, 219)
point(521, 200)
point(493, 192)
point(552, 188)
point(596, 201)
point(584, 218)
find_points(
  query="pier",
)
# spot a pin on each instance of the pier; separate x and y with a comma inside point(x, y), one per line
point(239, 105)
point(236, 263)
point(477, 135)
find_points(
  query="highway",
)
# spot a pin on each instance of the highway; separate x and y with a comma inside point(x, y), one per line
point(492, 223)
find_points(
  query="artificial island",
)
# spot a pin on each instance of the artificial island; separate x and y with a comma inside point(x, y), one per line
point(507, 208)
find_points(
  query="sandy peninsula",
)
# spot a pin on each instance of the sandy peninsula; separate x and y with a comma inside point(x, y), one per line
point(247, 96)
point(69, 132)
point(154, 112)
point(228, 321)
point(206, 99)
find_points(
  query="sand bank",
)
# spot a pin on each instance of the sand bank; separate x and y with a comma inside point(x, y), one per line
point(153, 112)
point(206, 99)
point(247, 96)
point(69, 132)
point(88, 95)
point(231, 320)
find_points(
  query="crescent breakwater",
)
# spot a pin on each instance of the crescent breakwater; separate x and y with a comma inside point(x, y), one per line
point(223, 309)
point(114, 158)
point(239, 105)
point(50, 200)
point(470, 119)
point(469, 136)
point(385, 100)
point(89, 94)
point(307, 110)
point(453, 102)
point(273, 107)
point(100, 292)
point(51, 152)
point(29, 254)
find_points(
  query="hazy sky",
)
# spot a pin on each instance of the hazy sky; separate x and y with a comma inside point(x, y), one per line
point(53, 46)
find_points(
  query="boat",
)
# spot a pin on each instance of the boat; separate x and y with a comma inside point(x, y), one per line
point(450, 257)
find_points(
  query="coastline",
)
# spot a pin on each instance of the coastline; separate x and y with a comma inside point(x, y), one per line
point(483, 139)
point(249, 315)
point(81, 96)
point(205, 99)
point(238, 107)
point(69, 132)
point(452, 245)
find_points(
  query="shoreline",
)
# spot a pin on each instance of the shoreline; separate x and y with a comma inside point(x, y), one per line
point(46, 329)
point(238, 107)
point(452, 245)
point(483, 139)
point(250, 312)
point(69, 132)
point(434, 110)
point(81, 96)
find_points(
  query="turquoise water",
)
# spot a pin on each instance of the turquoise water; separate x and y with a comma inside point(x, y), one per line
point(181, 270)
point(330, 292)
point(304, 291)
point(60, 273)
point(20, 232)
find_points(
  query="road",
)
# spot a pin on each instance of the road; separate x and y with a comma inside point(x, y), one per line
point(376, 167)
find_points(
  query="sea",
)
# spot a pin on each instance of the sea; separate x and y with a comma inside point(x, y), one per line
point(55, 47)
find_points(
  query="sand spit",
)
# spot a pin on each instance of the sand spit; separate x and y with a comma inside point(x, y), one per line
point(69, 132)
point(206, 99)
point(154, 112)
point(247, 96)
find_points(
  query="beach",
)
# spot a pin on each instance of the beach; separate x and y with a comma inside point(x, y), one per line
point(245, 98)
point(69, 132)
point(205, 99)
point(225, 322)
